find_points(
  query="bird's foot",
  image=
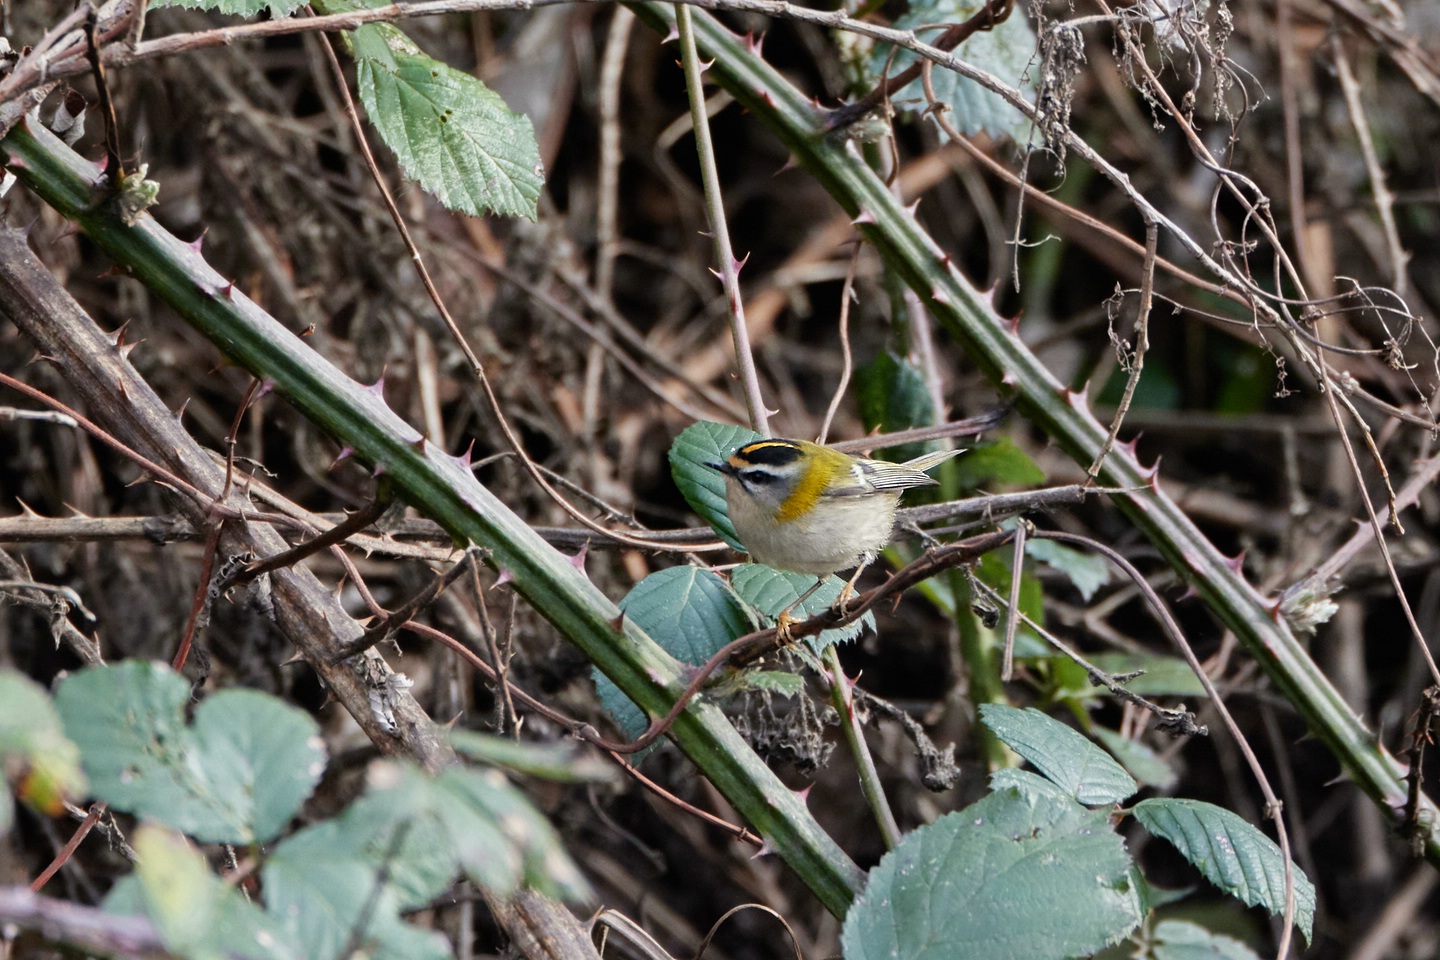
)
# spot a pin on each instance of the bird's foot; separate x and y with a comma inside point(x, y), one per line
point(848, 592)
point(783, 623)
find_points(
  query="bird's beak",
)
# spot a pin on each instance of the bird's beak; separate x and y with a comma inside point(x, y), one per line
point(724, 468)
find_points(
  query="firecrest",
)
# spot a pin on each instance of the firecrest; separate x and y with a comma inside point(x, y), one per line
point(812, 509)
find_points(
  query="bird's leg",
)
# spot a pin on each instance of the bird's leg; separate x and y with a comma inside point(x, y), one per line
point(784, 620)
point(847, 593)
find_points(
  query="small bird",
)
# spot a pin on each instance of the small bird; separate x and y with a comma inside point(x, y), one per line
point(808, 508)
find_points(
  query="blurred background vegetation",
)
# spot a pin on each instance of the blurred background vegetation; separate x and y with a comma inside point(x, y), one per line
point(253, 151)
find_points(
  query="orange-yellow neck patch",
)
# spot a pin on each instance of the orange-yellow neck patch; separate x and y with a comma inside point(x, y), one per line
point(807, 492)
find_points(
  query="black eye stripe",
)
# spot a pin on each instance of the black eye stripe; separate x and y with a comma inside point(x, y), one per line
point(758, 477)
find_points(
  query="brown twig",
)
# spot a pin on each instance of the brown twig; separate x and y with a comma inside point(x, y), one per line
point(1137, 355)
point(380, 632)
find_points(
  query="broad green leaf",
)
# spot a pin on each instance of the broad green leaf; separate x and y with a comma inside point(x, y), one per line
point(691, 613)
point(1066, 756)
point(1027, 783)
point(1016, 876)
point(998, 464)
point(400, 846)
point(1231, 853)
point(891, 394)
point(327, 890)
point(1007, 52)
point(34, 750)
point(772, 591)
point(1182, 940)
point(425, 828)
point(237, 775)
point(1086, 571)
point(698, 445)
point(1144, 764)
point(180, 890)
point(240, 8)
point(196, 914)
point(484, 804)
point(449, 131)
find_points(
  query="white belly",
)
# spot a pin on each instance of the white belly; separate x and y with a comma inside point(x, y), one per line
point(837, 535)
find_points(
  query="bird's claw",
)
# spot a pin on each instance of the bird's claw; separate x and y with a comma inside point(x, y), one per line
point(783, 623)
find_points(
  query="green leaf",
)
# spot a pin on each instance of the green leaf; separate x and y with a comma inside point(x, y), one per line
point(1086, 571)
point(1182, 940)
point(1159, 388)
point(561, 762)
point(1066, 756)
point(196, 914)
point(998, 464)
point(1144, 764)
point(780, 682)
point(994, 571)
point(239, 8)
point(691, 613)
point(1231, 853)
point(1007, 52)
point(1031, 784)
point(449, 131)
point(1016, 876)
point(326, 888)
point(236, 776)
point(399, 847)
point(34, 749)
point(1162, 677)
point(698, 445)
point(483, 804)
point(772, 591)
point(891, 394)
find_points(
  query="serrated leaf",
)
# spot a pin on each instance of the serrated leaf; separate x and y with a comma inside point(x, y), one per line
point(34, 748)
point(1008, 778)
point(691, 613)
point(891, 395)
point(1067, 757)
point(1006, 52)
point(450, 132)
point(1086, 571)
point(772, 591)
point(414, 832)
point(698, 445)
point(1144, 764)
point(469, 799)
point(1182, 940)
point(326, 889)
point(1231, 853)
point(240, 8)
point(1000, 463)
point(1016, 876)
point(237, 775)
point(196, 914)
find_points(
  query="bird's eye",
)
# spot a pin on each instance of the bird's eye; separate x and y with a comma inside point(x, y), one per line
point(758, 477)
